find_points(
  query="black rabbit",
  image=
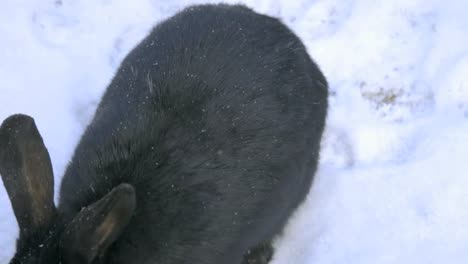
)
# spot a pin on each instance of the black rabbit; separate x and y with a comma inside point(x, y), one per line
point(205, 142)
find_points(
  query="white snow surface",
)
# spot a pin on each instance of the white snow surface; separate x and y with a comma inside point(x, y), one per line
point(392, 185)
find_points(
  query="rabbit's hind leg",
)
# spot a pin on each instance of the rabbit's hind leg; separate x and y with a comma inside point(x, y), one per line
point(261, 254)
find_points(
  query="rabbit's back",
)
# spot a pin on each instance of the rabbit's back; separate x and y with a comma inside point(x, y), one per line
point(215, 118)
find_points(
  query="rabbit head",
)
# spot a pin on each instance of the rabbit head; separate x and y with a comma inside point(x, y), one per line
point(44, 236)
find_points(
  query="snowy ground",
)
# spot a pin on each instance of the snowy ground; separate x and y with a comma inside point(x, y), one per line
point(392, 186)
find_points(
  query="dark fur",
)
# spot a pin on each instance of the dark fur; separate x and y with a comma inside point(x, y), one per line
point(215, 120)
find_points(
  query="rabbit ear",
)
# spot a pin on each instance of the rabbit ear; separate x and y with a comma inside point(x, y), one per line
point(97, 226)
point(27, 174)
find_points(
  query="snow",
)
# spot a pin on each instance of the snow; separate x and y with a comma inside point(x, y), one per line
point(391, 186)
